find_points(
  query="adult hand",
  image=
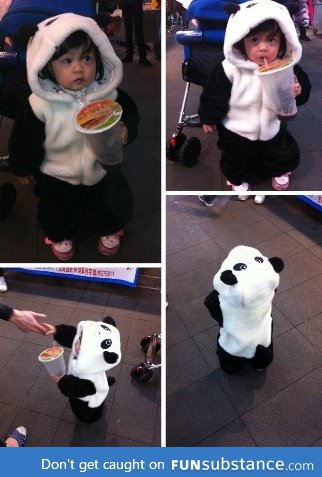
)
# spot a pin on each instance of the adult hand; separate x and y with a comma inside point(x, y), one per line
point(28, 321)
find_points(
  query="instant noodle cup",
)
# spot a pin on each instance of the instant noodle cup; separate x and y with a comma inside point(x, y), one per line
point(53, 360)
point(99, 122)
point(278, 82)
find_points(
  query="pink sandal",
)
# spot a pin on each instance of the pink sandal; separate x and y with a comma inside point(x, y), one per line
point(63, 250)
point(110, 244)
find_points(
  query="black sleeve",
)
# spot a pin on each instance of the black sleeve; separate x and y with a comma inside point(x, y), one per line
point(305, 83)
point(26, 150)
point(214, 99)
point(5, 311)
point(74, 387)
point(213, 305)
point(65, 335)
point(130, 116)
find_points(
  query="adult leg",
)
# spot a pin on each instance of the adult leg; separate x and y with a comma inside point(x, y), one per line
point(138, 28)
point(127, 13)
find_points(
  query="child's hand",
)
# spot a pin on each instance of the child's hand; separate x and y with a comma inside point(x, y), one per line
point(123, 134)
point(56, 379)
point(26, 180)
point(297, 87)
point(50, 329)
point(208, 128)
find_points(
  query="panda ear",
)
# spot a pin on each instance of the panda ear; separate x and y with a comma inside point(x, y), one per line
point(25, 32)
point(228, 278)
point(109, 321)
point(110, 358)
point(277, 263)
point(231, 8)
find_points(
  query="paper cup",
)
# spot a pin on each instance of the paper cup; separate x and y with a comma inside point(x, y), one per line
point(53, 360)
point(98, 121)
point(277, 79)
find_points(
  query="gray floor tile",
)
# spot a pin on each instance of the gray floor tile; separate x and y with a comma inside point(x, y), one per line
point(235, 432)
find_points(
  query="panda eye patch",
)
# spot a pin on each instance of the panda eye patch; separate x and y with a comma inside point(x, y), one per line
point(106, 344)
point(259, 260)
point(240, 266)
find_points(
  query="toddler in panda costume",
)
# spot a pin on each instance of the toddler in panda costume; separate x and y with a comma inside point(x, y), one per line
point(95, 349)
point(241, 303)
point(255, 144)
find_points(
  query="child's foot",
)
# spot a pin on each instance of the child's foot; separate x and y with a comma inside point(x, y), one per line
point(244, 187)
point(63, 250)
point(259, 199)
point(17, 438)
point(281, 182)
point(110, 244)
point(243, 197)
point(3, 285)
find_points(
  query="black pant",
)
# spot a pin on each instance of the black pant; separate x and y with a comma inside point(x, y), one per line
point(63, 208)
point(133, 15)
point(243, 160)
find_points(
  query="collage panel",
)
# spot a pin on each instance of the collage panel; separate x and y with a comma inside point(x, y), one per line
point(105, 389)
point(80, 159)
point(223, 127)
point(244, 282)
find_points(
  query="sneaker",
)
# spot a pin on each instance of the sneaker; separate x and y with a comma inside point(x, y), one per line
point(208, 200)
point(145, 62)
point(20, 435)
point(3, 285)
point(281, 182)
point(240, 188)
point(243, 197)
point(110, 244)
point(259, 199)
point(63, 250)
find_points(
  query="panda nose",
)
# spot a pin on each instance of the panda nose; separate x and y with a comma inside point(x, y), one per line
point(228, 277)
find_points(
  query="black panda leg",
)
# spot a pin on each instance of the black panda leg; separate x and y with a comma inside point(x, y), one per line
point(263, 357)
point(229, 363)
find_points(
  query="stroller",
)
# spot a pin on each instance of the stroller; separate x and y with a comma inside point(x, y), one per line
point(150, 345)
point(203, 49)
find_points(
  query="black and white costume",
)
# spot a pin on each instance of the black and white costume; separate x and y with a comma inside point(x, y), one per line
point(241, 303)
point(255, 145)
point(44, 143)
point(86, 384)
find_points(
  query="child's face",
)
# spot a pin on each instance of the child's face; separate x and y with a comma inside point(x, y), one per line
point(262, 47)
point(74, 70)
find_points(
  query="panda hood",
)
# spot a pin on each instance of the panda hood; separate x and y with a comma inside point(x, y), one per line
point(246, 278)
point(100, 350)
point(49, 36)
point(249, 15)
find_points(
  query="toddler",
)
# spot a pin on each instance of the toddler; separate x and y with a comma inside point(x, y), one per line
point(70, 63)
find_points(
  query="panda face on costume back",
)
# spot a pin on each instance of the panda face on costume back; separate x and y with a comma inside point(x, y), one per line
point(246, 278)
point(96, 347)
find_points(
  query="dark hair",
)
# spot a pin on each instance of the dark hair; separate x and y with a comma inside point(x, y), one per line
point(270, 26)
point(77, 39)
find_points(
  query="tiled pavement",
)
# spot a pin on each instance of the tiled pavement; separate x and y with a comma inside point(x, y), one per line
point(206, 175)
point(28, 396)
point(277, 407)
point(22, 241)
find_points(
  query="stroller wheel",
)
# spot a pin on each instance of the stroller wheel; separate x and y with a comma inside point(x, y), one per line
point(141, 374)
point(145, 342)
point(174, 144)
point(189, 152)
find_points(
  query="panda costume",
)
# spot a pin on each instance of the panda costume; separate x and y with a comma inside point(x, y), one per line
point(241, 303)
point(255, 144)
point(95, 349)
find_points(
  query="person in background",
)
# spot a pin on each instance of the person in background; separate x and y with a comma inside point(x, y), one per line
point(24, 320)
point(16, 438)
point(302, 19)
point(132, 12)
